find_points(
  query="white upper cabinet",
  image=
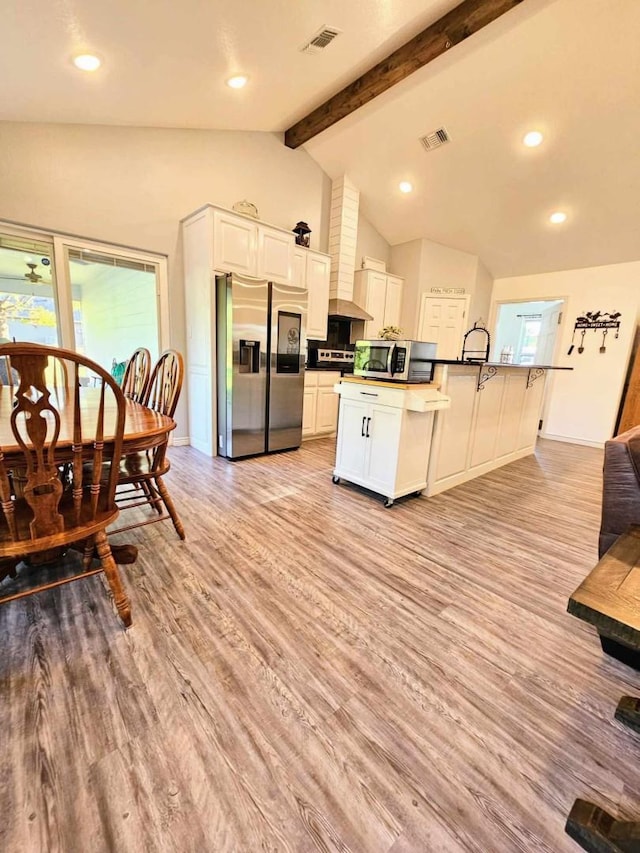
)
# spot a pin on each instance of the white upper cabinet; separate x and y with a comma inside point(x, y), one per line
point(380, 294)
point(235, 243)
point(275, 254)
point(393, 301)
point(251, 248)
point(300, 267)
point(312, 270)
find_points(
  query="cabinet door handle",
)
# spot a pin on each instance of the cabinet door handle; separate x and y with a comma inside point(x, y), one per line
point(368, 422)
point(368, 394)
point(363, 420)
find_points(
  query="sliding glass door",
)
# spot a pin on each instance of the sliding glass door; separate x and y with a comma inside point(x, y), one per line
point(101, 300)
point(114, 302)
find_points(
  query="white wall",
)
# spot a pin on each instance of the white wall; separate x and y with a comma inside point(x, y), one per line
point(371, 244)
point(583, 403)
point(425, 264)
point(131, 186)
point(406, 260)
point(481, 296)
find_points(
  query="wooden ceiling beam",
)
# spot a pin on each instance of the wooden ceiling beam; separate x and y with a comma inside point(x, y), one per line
point(454, 27)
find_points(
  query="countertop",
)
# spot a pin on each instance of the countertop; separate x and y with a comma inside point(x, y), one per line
point(456, 361)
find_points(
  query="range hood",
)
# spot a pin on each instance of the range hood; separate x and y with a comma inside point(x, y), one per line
point(343, 309)
point(343, 238)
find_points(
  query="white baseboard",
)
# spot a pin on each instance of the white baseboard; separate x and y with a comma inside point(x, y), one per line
point(437, 486)
point(318, 435)
point(569, 439)
point(181, 441)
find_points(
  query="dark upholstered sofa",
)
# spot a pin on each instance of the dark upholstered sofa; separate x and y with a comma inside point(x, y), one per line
point(621, 487)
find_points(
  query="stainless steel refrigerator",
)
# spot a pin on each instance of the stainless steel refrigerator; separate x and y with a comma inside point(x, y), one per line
point(260, 362)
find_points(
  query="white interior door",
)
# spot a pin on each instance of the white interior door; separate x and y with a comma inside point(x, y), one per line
point(442, 320)
point(549, 325)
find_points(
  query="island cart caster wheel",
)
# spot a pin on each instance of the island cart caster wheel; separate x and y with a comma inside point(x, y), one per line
point(335, 479)
point(388, 503)
point(418, 494)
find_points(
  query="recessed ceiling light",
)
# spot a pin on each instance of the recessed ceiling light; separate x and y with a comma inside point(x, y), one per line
point(405, 187)
point(237, 81)
point(558, 217)
point(86, 62)
point(533, 138)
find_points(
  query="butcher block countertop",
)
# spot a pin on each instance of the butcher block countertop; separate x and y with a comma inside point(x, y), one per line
point(425, 397)
point(390, 383)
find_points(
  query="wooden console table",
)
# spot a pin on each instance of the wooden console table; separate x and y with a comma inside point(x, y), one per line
point(609, 599)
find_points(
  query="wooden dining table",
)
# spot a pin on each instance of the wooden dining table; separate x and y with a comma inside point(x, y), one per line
point(144, 429)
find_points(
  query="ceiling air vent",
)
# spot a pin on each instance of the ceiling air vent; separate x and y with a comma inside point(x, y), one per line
point(435, 139)
point(321, 39)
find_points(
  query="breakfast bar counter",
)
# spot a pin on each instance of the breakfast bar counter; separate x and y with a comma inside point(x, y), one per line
point(493, 419)
point(476, 417)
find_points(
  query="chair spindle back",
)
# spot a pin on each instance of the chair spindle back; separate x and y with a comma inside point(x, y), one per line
point(166, 383)
point(136, 375)
point(47, 424)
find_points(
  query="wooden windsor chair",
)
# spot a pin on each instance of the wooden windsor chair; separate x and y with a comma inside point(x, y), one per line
point(144, 471)
point(136, 375)
point(53, 488)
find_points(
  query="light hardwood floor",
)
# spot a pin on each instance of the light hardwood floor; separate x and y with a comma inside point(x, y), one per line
point(312, 672)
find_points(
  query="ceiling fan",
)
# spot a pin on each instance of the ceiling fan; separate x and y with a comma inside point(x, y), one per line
point(33, 275)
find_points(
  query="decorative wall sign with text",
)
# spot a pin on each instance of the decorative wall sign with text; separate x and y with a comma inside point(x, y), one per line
point(597, 321)
point(448, 290)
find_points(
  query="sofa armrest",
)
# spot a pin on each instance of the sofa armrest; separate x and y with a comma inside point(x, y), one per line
point(620, 487)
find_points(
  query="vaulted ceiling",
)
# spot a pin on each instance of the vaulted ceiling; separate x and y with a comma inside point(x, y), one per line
point(569, 68)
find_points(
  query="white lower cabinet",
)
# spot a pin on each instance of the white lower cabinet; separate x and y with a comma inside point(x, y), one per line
point(384, 437)
point(367, 441)
point(310, 399)
point(320, 408)
point(327, 409)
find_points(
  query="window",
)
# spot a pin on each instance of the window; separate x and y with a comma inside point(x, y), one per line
point(99, 299)
point(28, 308)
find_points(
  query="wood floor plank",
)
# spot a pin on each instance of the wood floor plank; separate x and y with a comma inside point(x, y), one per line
point(309, 671)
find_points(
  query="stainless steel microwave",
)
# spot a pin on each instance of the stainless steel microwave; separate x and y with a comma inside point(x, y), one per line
point(397, 361)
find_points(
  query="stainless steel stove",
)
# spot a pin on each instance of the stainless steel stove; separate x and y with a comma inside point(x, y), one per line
point(331, 359)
